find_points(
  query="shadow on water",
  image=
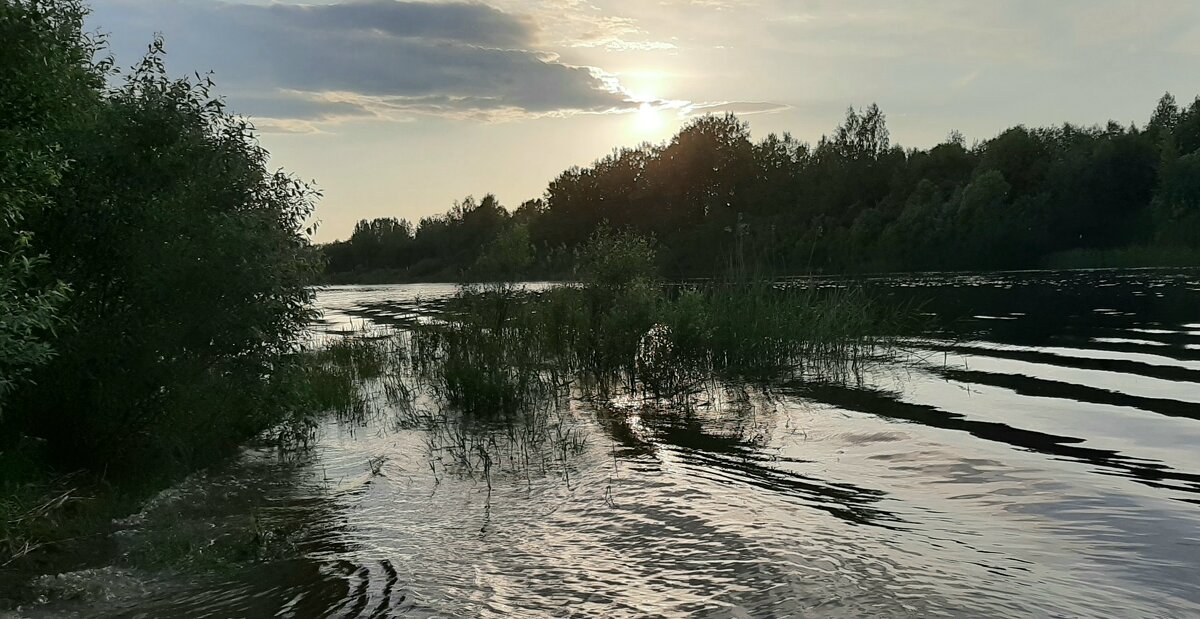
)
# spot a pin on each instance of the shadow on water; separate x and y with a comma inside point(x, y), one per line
point(258, 537)
point(1119, 366)
point(888, 405)
point(728, 446)
point(1045, 388)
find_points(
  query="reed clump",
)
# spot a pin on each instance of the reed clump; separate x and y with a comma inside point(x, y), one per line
point(490, 372)
point(499, 349)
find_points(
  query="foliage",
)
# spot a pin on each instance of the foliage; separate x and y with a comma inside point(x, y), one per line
point(187, 260)
point(1177, 206)
point(856, 202)
point(47, 82)
point(616, 259)
point(498, 350)
point(445, 246)
point(507, 256)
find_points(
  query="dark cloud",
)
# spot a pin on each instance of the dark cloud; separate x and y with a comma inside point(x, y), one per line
point(373, 58)
point(476, 24)
point(300, 106)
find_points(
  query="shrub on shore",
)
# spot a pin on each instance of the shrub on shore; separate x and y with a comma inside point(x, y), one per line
point(155, 274)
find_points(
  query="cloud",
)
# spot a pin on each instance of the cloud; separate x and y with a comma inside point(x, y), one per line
point(689, 109)
point(713, 4)
point(476, 24)
point(613, 33)
point(304, 106)
point(742, 108)
point(298, 65)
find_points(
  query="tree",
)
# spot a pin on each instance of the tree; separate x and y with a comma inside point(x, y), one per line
point(1165, 117)
point(1186, 137)
point(507, 257)
point(190, 269)
point(862, 135)
point(1177, 205)
point(384, 242)
point(1021, 155)
point(47, 81)
point(856, 201)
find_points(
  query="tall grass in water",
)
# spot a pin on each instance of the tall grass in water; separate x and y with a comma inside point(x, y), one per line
point(758, 327)
point(497, 351)
point(488, 375)
point(479, 387)
point(343, 375)
point(481, 358)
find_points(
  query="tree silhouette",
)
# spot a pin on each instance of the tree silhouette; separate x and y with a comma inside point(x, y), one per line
point(854, 202)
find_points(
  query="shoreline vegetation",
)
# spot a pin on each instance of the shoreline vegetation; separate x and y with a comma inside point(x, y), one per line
point(486, 377)
point(155, 284)
point(488, 372)
point(1135, 257)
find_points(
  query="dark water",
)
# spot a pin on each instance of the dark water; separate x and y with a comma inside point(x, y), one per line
point(1035, 453)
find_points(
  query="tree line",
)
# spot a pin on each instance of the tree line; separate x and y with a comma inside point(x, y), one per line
point(854, 202)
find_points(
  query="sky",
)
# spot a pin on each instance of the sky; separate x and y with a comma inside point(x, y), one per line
point(397, 109)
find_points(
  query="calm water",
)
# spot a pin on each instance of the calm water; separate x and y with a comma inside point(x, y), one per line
point(1035, 453)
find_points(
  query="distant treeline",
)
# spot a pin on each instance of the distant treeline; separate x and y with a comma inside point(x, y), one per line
point(854, 202)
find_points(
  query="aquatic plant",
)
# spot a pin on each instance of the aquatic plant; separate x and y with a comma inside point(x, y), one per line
point(501, 351)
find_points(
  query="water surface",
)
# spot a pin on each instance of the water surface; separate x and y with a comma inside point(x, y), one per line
point(1033, 453)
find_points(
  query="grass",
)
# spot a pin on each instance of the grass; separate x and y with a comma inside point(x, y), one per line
point(647, 338)
point(33, 513)
point(760, 328)
point(493, 372)
point(499, 349)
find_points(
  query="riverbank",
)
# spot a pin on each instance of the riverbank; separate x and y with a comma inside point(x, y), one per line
point(404, 276)
point(60, 520)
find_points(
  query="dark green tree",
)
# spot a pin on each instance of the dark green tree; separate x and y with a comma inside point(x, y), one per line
point(189, 267)
point(48, 82)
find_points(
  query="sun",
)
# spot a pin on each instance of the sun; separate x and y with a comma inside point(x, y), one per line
point(648, 119)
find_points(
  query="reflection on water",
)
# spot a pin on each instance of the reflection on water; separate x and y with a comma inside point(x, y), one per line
point(1032, 453)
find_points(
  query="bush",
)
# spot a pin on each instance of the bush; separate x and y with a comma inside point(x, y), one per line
point(47, 82)
point(189, 267)
point(613, 259)
point(507, 256)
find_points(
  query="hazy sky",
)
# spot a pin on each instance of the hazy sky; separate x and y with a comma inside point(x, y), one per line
point(400, 108)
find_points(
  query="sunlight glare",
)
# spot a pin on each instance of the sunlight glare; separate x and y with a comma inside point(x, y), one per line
point(649, 119)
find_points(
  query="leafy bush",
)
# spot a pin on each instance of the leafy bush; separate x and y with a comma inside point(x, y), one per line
point(47, 81)
point(507, 257)
point(613, 259)
point(187, 259)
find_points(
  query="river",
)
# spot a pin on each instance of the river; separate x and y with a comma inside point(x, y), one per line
point(1036, 452)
